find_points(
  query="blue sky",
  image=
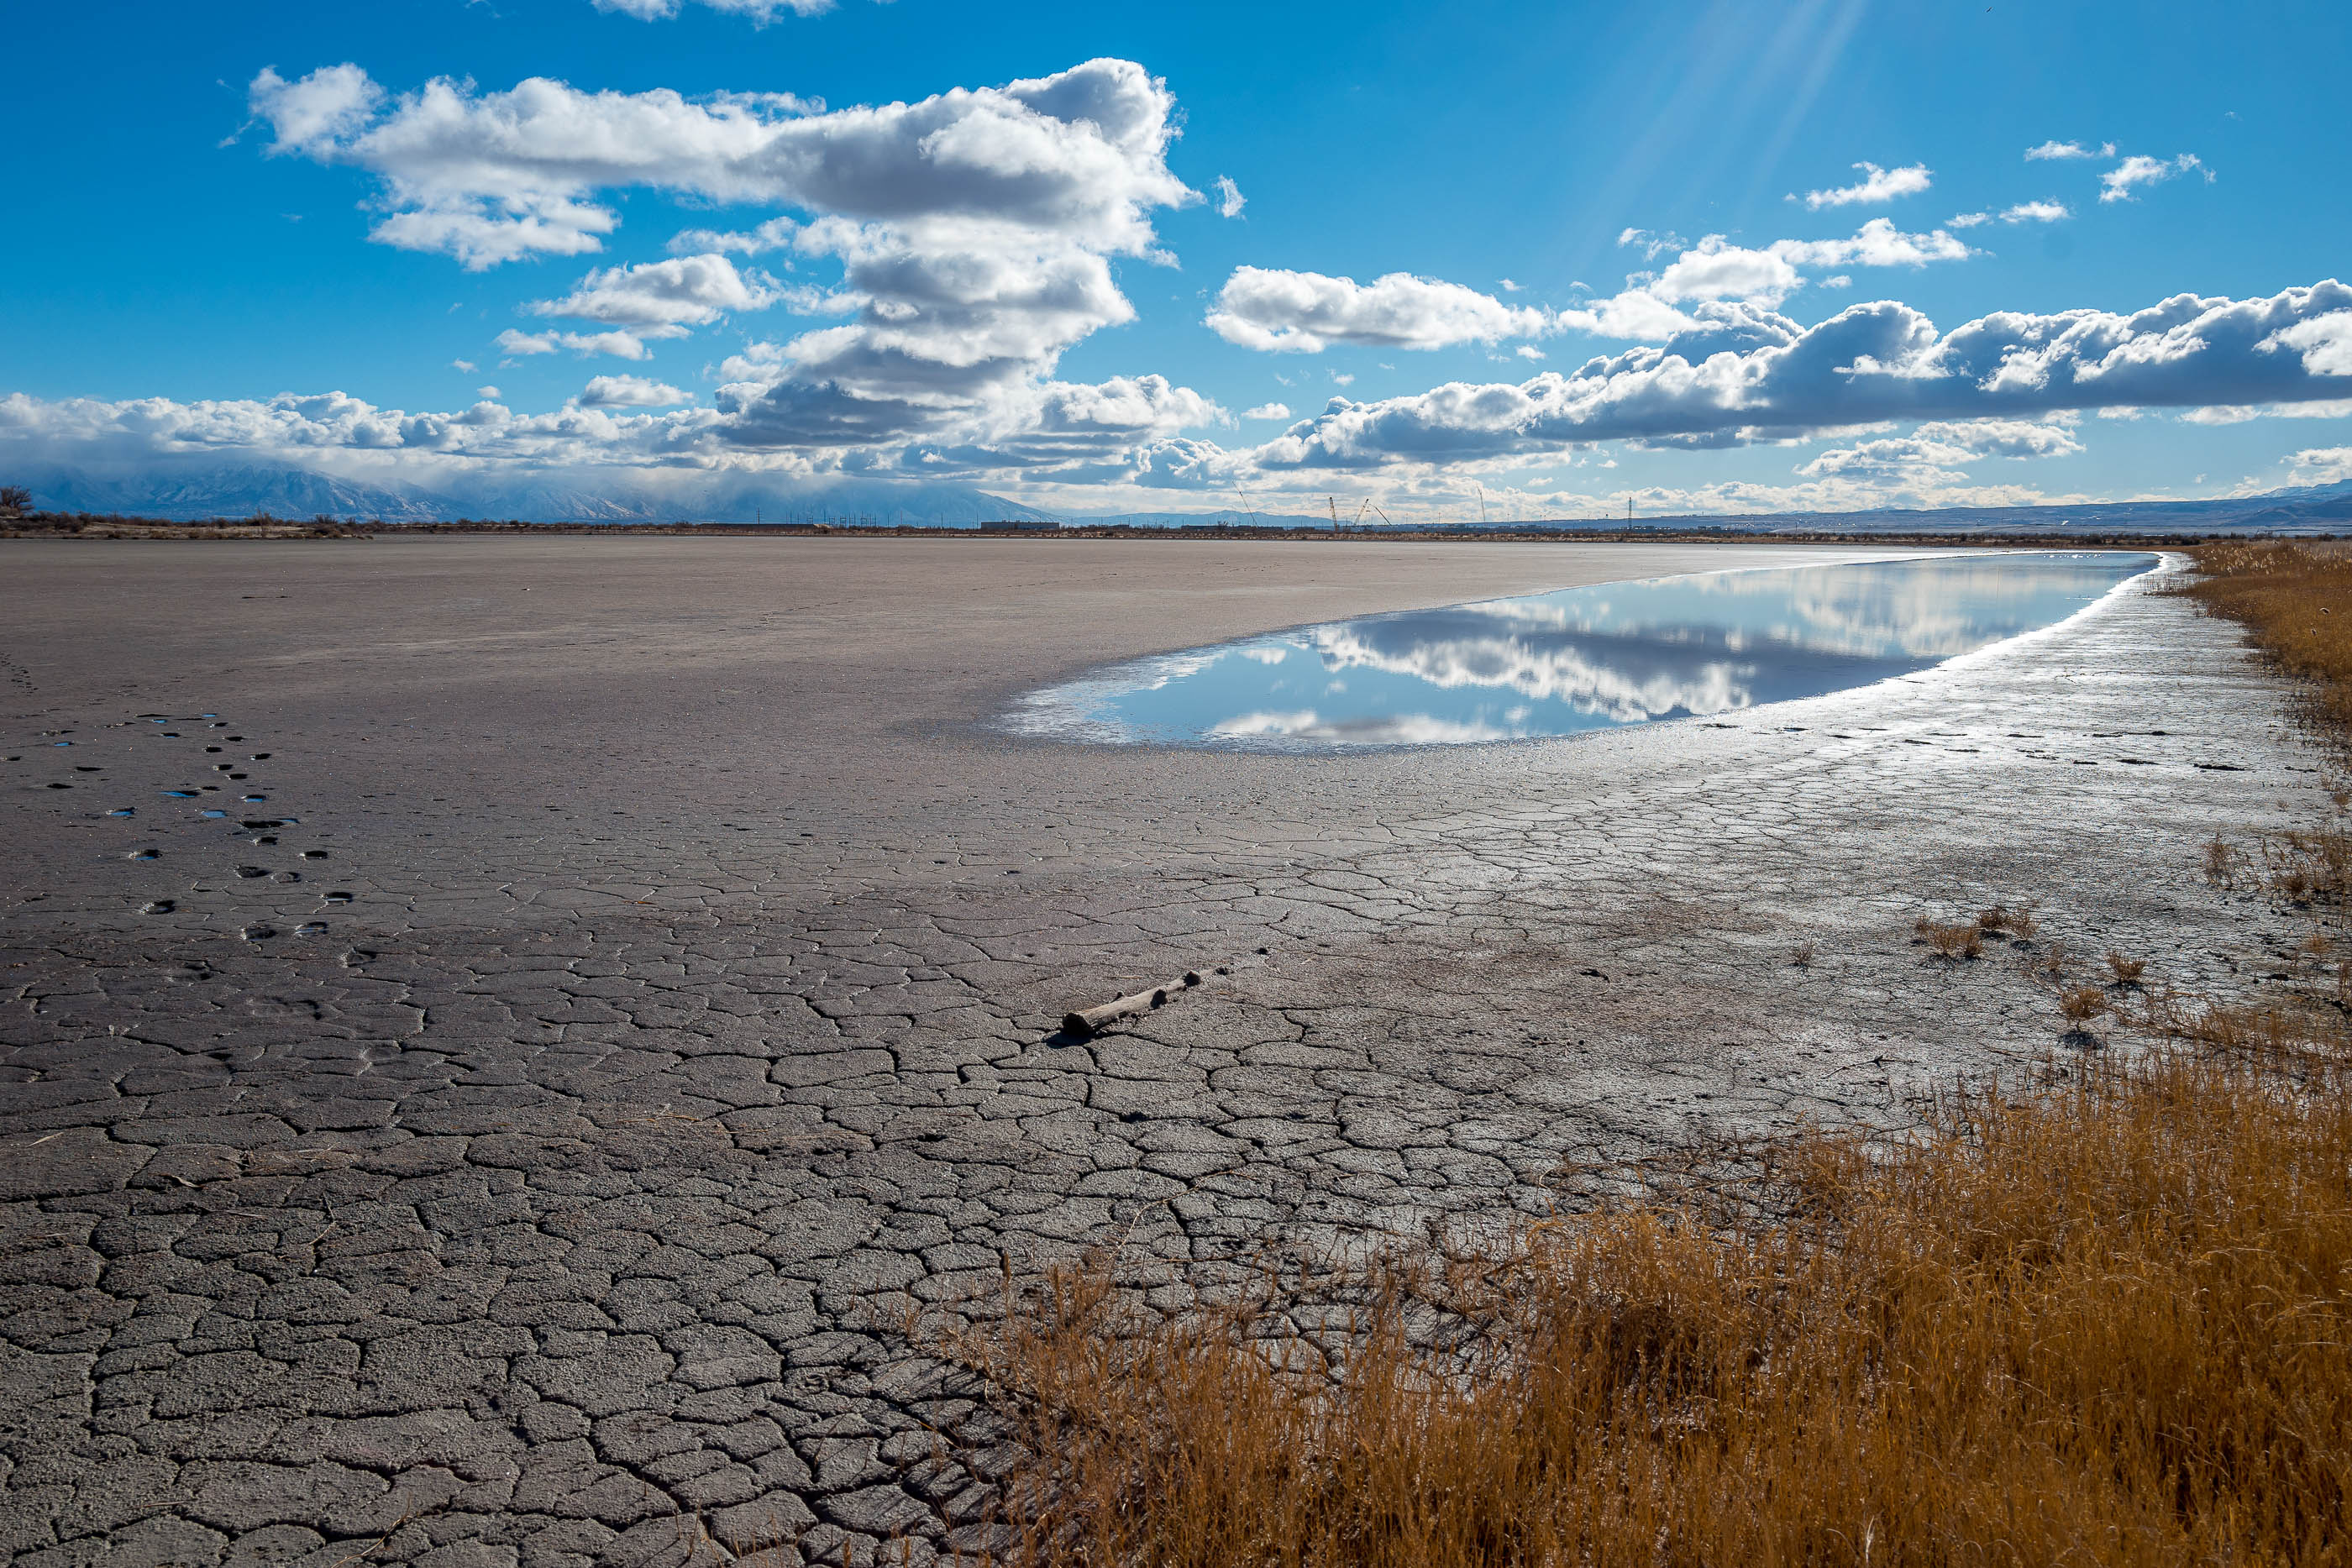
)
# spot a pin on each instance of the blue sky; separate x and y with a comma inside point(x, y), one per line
point(1051, 293)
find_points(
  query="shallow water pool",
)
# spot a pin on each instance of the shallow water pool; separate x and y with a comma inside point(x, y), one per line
point(1581, 659)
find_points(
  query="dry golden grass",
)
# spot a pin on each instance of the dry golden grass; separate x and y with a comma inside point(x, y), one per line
point(2019, 923)
point(2080, 1003)
point(2105, 1321)
point(1964, 940)
point(2286, 596)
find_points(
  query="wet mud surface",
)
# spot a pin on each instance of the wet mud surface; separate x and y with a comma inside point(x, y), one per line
point(518, 1134)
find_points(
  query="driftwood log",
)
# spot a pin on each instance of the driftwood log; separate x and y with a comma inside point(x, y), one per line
point(1089, 1020)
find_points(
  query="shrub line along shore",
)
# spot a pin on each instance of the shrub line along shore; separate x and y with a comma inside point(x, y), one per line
point(86, 526)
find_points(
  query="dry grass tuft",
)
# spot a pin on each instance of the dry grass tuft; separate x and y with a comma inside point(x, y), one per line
point(2080, 1003)
point(2127, 971)
point(1964, 940)
point(2018, 922)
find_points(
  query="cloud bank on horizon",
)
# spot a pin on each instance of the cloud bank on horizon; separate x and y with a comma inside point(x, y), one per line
point(892, 288)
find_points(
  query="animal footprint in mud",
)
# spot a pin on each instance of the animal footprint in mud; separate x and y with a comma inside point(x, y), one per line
point(160, 906)
point(312, 928)
point(141, 856)
point(314, 854)
point(252, 871)
point(339, 896)
point(258, 933)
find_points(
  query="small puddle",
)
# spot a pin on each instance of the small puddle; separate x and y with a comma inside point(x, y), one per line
point(1581, 659)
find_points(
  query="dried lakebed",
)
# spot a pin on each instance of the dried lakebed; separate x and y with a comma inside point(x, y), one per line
point(517, 1138)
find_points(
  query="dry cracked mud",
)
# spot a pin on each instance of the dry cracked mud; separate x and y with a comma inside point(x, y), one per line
point(616, 986)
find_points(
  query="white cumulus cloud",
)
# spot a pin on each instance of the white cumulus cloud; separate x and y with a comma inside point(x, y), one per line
point(684, 291)
point(1714, 269)
point(2324, 464)
point(1876, 185)
point(1229, 200)
point(312, 115)
point(761, 12)
point(488, 177)
point(1878, 243)
point(2323, 341)
point(1937, 450)
point(1268, 411)
point(2118, 183)
point(1261, 307)
point(2050, 150)
point(620, 345)
point(631, 392)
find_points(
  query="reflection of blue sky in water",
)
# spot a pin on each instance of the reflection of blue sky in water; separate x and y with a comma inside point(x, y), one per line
point(1584, 658)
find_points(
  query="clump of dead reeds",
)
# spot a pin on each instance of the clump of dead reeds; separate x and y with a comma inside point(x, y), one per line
point(2001, 920)
point(2101, 1323)
point(1961, 939)
point(2286, 596)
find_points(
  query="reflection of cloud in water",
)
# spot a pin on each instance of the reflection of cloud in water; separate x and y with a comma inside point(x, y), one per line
point(1171, 667)
point(1388, 729)
point(1550, 672)
point(1933, 608)
point(1267, 655)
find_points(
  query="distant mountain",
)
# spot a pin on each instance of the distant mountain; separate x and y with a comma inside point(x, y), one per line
point(240, 490)
point(182, 492)
point(2339, 490)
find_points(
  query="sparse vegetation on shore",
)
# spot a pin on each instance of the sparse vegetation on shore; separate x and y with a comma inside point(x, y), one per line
point(22, 521)
point(2106, 1318)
